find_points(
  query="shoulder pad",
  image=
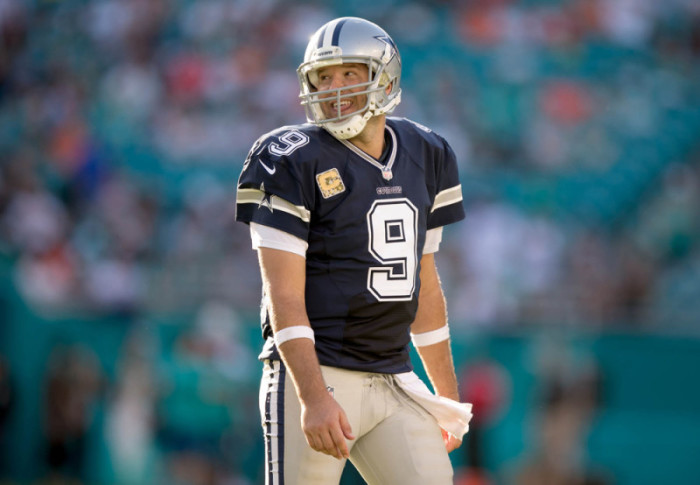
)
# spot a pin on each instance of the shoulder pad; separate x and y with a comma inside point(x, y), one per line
point(284, 141)
point(292, 142)
point(413, 129)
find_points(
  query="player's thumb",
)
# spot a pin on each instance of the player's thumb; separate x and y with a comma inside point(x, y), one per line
point(345, 426)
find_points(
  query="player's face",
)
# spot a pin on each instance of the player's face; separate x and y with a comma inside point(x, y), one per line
point(345, 77)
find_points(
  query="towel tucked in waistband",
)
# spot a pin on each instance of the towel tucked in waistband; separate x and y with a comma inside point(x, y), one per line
point(452, 416)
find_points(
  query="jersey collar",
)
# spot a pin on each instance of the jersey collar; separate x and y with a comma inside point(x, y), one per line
point(390, 159)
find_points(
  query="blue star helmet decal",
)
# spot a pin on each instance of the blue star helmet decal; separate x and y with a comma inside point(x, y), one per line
point(390, 50)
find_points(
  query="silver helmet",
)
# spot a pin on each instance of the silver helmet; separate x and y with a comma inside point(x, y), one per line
point(350, 40)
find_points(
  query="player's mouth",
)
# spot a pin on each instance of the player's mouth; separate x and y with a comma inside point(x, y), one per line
point(343, 107)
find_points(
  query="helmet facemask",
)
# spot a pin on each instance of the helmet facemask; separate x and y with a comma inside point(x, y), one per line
point(347, 125)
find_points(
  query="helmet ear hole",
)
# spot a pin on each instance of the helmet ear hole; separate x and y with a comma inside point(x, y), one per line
point(384, 80)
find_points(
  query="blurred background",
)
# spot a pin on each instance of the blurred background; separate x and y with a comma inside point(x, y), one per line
point(129, 303)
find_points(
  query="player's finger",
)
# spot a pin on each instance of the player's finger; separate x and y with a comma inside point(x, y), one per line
point(313, 443)
point(447, 439)
point(453, 443)
point(339, 444)
point(345, 427)
point(329, 445)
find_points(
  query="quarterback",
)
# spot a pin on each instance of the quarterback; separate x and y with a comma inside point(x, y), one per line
point(346, 212)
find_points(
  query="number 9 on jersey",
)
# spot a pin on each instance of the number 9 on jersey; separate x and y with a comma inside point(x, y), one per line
point(393, 228)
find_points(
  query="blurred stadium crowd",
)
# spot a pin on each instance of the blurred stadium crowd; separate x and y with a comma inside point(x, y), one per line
point(124, 124)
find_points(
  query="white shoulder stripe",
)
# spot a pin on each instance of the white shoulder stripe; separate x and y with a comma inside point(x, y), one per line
point(447, 197)
point(256, 196)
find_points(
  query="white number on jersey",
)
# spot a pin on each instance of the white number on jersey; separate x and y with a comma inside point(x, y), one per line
point(393, 229)
point(290, 141)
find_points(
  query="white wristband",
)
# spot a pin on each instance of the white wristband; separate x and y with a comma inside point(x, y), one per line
point(430, 338)
point(290, 333)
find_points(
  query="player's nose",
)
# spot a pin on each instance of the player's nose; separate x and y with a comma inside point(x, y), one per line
point(337, 80)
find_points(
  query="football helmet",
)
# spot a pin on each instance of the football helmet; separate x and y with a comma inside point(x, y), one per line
point(350, 40)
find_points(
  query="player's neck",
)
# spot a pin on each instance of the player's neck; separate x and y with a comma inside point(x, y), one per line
point(371, 139)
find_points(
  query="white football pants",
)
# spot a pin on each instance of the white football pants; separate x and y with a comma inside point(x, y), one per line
point(396, 441)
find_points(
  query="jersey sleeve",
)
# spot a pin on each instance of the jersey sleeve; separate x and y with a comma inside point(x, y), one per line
point(269, 237)
point(447, 206)
point(271, 190)
point(433, 238)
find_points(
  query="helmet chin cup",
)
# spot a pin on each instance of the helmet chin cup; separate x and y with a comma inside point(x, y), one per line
point(353, 126)
point(349, 127)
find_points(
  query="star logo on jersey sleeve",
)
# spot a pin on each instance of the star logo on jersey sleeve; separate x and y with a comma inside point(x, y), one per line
point(265, 198)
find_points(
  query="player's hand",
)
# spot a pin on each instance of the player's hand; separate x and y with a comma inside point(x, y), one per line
point(326, 427)
point(451, 443)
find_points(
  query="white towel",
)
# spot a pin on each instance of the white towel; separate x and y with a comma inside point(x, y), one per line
point(452, 416)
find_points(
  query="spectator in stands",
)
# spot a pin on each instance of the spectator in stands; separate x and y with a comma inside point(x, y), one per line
point(566, 405)
point(7, 404)
point(73, 388)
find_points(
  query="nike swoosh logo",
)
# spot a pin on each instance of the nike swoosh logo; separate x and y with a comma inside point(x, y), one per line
point(269, 170)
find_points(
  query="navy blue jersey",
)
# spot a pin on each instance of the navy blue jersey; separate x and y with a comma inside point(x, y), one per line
point(365, 221)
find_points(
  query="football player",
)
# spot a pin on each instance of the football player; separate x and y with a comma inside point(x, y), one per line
point(346, 212)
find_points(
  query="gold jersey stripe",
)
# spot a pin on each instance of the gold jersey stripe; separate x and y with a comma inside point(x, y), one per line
point(256, 196)
point(447, 197)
